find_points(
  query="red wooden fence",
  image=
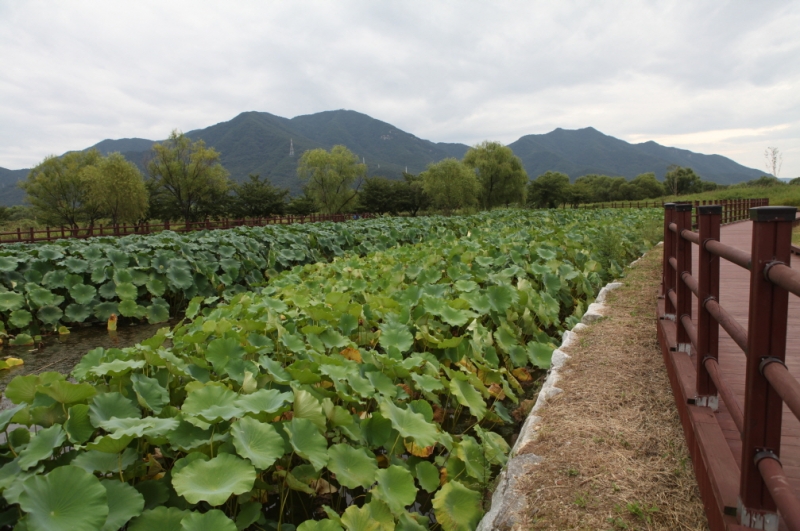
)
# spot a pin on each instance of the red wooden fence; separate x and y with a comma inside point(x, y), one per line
point(766, 500)
point(51, 234)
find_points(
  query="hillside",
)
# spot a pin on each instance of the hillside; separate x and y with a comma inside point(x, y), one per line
point(258, 142)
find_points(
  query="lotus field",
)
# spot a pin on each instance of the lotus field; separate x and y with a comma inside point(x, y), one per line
point(373, 391)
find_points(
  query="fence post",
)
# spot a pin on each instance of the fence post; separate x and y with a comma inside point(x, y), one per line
point(33, 239)
point(668, 275)
point(766, 338)
point(683, 255)
point(19, 234)
point(707, 326)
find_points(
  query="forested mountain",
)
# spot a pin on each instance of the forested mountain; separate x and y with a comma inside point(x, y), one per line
point(259, 142)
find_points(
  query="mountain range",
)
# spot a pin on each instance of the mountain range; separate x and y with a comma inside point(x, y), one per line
point(262, 143)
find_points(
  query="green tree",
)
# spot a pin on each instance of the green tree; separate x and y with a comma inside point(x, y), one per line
point(58, 188)
point(189, 173)
point(301, 205)
point(648, 185)
point(414, 199)
point(5, 214)
point(332, 177)
point(549, 190)
point(451, 185)
point(500, 173)
point(380, 195)
point(117, 189)
point(255, 198)
point(680, 181)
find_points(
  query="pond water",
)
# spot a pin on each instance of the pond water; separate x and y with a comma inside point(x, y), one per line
point(62, 353)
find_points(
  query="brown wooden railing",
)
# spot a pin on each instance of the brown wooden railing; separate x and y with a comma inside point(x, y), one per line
point(732, 209)
point(763, 485)
point(48, 234)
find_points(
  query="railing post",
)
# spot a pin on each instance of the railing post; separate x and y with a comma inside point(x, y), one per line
point(766, 338)
point(683, 255)
point(668, 275)
point(708, 282)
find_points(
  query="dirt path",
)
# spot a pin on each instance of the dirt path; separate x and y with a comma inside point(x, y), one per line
point(614, 452)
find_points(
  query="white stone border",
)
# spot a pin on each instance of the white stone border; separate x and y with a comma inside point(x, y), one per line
point(507, 501)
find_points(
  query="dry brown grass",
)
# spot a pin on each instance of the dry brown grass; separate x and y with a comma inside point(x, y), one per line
point(614, 452)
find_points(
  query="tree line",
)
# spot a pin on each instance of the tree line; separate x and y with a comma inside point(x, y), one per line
point(185, 180)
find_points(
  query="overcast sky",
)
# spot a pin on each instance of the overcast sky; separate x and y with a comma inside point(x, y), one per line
point(710, 76)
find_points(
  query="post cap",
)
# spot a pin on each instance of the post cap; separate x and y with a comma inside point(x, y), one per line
point(669, 206)
point(683, 207)
point(710, 210)
point(773, 213)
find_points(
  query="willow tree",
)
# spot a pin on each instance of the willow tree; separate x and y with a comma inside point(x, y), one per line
point(58, 188)
point(117, 188)
point(500, 172)
point(189, 173)
point(332, 178)
point(450, 185)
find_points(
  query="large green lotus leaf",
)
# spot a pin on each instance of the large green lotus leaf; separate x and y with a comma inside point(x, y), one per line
point(78, 426)
point(129, 308)
point(104, 462)
point(100, 272)
point(478, 300)
point(264, 400)
point(109, 444)
point(41, 446)
point(122, 276)
point(77, 313)
point(213, 520)
point(467, 395)
point(127, 291)
point(412, 522)
point(24, 388)
point(540, 354)
point(410, 424)
point(150, 426)
point(505, 339)
point(41, 297)
point(319, 525)
point(307, 441)
point(456, 507)
point(10, 301)
point(8, 263)
point(293, 343)
point(150, 393)
point(104, 310)
point(501, 297)
point(396, 335)
point(257, 441)
point(82, 293)
point(395, 487)
point(124, 503)
point(427, 383)
point(221, 351)
point(108, 290)
point(20, 318)
point(275, 370)
point(180, 278)
point(333, 339)
point(49, 314)
point(215, 480)
point(7, 414)
point(107, 406)
point(213, 403)
point(117, 367)
point(472, 454)
point(155, 287)
point(55, 279)
point(465, 285)
point(157, 313)
point(353, 466)
point(455, 317)
point(308, 407)
point(159, 519)
point(65, 392)
point(495, 447)
point(76, 265)
point(66, 499)
point(119, 258)
point(89, 360)
point(139, 278)
point(427, 476)
point(372, 516)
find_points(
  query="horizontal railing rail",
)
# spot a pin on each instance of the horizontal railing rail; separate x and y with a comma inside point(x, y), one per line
point(763, 486)
point(49, 234)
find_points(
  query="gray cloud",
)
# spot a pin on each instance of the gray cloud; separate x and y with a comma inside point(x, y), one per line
point(715, 77)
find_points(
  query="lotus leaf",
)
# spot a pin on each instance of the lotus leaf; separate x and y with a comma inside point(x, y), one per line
point(157, 313)
point(107, 406)
point(117, 367)
point(215, 480)
point(397, 336)
point(427, 476)
point(124, 503)
point(222, 351)
point(76, 265)
point(10, 301)
point(319, 525)
point(66, 499)
point(467, 395)
point(308, 407)
point(257, 441)
point(264, 401)
point(456, 507)
point(410, 424)
point(161, 518)
point(307, 441)
point(104, 310)
point(68, 393)
point(24, 388)
point(540, 354)
point(148, 426)
point(82, 293)
point(20, 318)
point(179, 277)
point(395, 487)
point(353, 466)
point(212, 403)
point(108, 290)
point(155, 287)
point(103, 462)
point(49, 314)
point(77, 313)
point(109, 444)
point(8, 263)
point(127, 291)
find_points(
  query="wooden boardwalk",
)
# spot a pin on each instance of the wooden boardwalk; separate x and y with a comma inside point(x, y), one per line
point(713, 439)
